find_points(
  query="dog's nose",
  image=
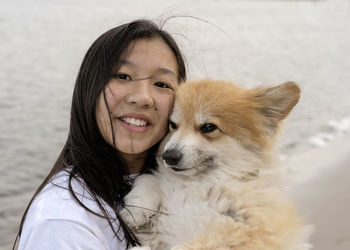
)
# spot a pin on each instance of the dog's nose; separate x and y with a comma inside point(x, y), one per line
point(172, 156)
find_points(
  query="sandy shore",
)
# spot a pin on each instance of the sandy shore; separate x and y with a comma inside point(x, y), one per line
point(322, 192)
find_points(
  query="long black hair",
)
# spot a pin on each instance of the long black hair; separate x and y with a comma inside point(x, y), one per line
point(86, 153)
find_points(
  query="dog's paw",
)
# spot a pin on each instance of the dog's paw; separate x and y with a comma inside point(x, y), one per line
point(136, 217)
point(142, 202)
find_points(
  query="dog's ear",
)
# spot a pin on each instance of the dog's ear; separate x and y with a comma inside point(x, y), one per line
point(277, 102)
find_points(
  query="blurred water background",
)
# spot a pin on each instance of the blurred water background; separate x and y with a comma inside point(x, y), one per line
point(248, 42)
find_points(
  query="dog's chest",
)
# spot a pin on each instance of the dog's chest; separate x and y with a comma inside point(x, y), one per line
point(178, 193)
point(186, 210)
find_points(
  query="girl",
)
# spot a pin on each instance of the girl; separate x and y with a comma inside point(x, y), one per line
point(122, 99)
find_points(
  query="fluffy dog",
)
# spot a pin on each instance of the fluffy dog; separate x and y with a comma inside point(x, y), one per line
point(216, 186)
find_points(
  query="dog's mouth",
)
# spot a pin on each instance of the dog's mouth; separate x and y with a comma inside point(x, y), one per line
point(207, 164)
point(180, 169)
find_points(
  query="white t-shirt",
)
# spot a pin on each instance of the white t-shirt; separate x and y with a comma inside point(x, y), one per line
point(56, 221)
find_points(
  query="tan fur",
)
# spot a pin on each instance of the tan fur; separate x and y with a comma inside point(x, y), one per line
point(237, 110)
point(268, 222)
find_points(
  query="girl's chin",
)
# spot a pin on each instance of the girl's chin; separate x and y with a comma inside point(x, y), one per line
point(132, 152)
point(137, 148)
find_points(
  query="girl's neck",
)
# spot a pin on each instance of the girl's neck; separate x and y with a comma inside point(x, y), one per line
point(135, 162)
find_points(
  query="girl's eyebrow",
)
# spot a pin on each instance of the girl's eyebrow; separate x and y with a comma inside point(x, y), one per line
point(159, 70)
point(127, 63)
point(166, 71)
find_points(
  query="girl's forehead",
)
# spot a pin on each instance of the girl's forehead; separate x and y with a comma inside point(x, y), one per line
point(149, 47)
point(152, 54)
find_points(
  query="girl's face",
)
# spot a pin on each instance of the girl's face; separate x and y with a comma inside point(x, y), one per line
point(139, 97)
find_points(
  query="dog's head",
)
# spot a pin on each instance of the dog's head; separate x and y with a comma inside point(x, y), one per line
point(215, 123)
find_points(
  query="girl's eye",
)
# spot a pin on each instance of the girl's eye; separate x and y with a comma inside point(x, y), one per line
point(122, 77)
point(161, 85)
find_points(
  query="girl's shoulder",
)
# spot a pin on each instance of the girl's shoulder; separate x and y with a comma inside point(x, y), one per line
point(55, 207)
point(56, 202)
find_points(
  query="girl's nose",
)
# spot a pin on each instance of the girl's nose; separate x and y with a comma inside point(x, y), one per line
point(141, 95)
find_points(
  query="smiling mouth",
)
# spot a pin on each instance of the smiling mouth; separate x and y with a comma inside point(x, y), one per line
point(134, 121)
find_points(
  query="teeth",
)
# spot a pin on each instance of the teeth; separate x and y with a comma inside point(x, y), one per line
point(134, 121)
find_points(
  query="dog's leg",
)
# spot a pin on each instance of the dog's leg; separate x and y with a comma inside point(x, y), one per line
point(142, 202)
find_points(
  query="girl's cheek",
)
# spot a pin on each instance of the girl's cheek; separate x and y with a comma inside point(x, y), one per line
point(168, 107)
point(116, 91)
point(112, 94)
point(102, 120)
point(171, 105)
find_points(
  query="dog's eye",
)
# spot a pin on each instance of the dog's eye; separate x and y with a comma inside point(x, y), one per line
point(172, 125)
point(208, 128)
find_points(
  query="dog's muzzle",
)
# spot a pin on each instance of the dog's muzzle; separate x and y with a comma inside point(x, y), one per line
point(172, 156)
